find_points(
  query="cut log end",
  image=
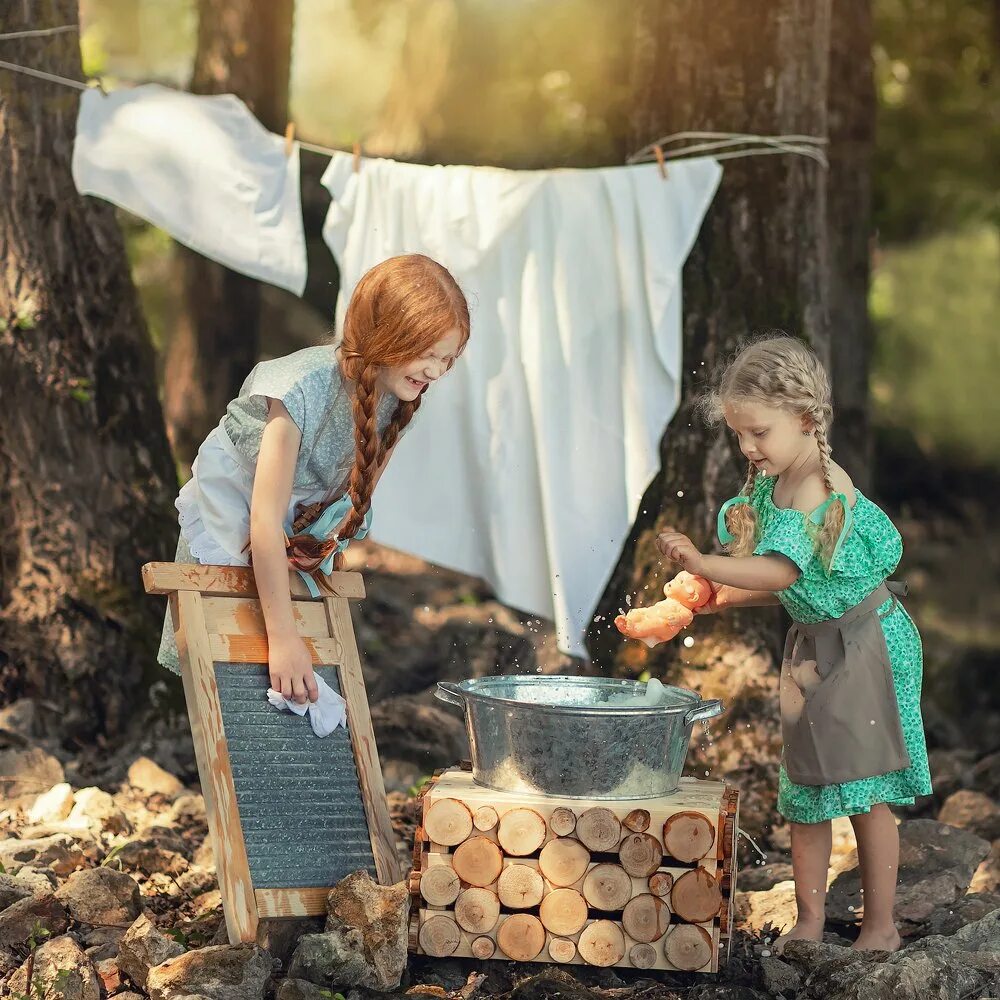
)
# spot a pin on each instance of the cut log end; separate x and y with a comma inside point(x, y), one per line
point(562, 822)
point(642, 956)
point(661, 883)
point(485, 818)
point(520, 887)
point(440, 885)
point(688, 836)
point(599, 830)
point(563, 911)
point(563, 861)
point(478, 861)
point(477, 910)
point(521, 831)
point(688, 947)
point(483, 947)
point(448, 822)
point(602, 943)
point(521, 937)
point(696, 896)
point(607, 887)
point(640, 854)
point(439, 936)
point(646, 918)
point(562, 950)
point(637, 821)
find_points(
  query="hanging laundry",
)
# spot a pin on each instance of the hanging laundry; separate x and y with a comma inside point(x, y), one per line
point(201, 168)
point(526, 465)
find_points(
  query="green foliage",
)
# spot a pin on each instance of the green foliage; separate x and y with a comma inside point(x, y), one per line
point(414, 790)
point(934, 370)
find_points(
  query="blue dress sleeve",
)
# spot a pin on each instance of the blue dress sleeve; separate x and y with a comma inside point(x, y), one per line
point(278, 380)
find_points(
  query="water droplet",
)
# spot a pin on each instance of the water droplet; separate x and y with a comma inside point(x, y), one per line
point(688, 641)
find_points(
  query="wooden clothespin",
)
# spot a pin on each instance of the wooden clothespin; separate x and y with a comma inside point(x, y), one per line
point(357, 157)
point(289, 138)
point(661, 161)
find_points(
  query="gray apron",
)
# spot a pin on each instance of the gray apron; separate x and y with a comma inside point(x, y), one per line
point(839, 713)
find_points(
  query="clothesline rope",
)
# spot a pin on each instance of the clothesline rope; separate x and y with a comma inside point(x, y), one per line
point(802, 145)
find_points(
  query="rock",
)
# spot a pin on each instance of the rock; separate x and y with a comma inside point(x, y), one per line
point(197, 880)
point(279, 938)
point(11, 890)
point(9, 964)
point(61, 969)
point(59, 852)
point(778, 978)
point(129, 995)
point(53, 805)
point(143, 947)
point(101, 942)
point(760, 878)
point(101, 896)
point(936, 865)
point(95, 808)
point(18, 921)
point(986, 775)
point(147, 776)
point(161, 853)
point(774, 906)
point(187, 809)
point(419, 735)
point(108, 973)
point(972, 811)
point(300, 989)
point(21, 717)
point(38, 881)
point(952, 770)
point(364, 943)
point(987, 876)
point(222, 972)
point(982, 935)
point(28, 771)
point(946, 920)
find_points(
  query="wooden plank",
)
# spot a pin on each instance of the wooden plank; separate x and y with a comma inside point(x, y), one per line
point(291, 902)
point(243, 616)
point(253, 649)
point(238, 581)
point(359, 722)
point(202, 696)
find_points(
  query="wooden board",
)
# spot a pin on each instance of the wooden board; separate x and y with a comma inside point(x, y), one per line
point(289, 813)
point(456, 797)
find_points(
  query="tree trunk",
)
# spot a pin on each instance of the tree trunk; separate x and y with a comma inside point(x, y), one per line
point(760, 262)
point(86, 477)
point(851, 110)
point(244, 49)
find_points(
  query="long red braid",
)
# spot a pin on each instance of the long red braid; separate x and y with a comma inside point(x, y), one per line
point(399, 310)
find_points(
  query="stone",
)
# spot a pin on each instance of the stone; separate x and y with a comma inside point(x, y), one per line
point(161, 853)
point(60, 969)
point(221, 972)
point(101, 896)
point(987, 876)
point(11, 890)
point(760, 878)
point(148, 777)
point(778, 978)
point(53, 805)
point(95, 808)
point(28, 771)
point(59, 852)
point(37, 881)
point(300, 989)
point(143, 947)
point(946, 920)
point(774, 906)
point(972, 811)
point(936, 865)
point(22, 718)
point(18, 921)
point(986, 775)
point(101, 942)
point(108, 973)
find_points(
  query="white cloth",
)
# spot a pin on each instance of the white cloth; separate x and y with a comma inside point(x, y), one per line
point(528, 461)
point(202, 168)
point(327, 712)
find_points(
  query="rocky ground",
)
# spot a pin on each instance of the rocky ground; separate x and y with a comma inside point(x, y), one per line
point(108, 885)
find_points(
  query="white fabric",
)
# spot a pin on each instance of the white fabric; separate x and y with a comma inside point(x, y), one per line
point(527, 463)
point(327, 712)
point(202, 168)
point(213, 506)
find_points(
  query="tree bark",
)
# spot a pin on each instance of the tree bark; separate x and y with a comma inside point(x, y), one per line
point(851, 111)
point(86, 476)
point(244, 48)
point(760, 262)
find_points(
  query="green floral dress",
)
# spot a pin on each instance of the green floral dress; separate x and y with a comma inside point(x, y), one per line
point(867, 554)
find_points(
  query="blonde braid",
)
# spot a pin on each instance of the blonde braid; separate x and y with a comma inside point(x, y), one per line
point(741, 519)
point(833, 522)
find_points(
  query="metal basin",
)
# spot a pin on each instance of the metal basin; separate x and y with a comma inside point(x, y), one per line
point(579, 737)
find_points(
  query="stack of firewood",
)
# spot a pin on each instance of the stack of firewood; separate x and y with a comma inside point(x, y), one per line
point(645, 884)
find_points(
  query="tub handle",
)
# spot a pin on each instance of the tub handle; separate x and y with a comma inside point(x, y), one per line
point(706, 710)
point(450, 692)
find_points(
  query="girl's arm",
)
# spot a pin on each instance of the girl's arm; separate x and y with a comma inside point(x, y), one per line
point(750, 573)
point(289, 662)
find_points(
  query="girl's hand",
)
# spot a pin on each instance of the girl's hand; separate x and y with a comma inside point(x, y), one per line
point(290, 669)
point(716, 603)
point(680, 549)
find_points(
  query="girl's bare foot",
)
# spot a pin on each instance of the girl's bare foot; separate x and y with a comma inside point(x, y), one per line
point(804, 930)
point(878, 940)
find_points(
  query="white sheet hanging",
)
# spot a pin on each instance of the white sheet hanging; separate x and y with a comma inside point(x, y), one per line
point(527, 463)
point(201, 168)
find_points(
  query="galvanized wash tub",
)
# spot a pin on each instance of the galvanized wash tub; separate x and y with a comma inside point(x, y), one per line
point(580, 737)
